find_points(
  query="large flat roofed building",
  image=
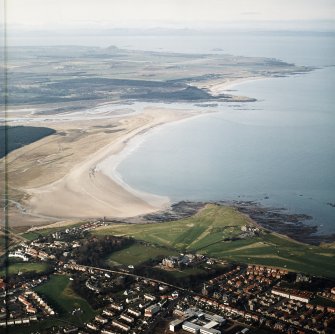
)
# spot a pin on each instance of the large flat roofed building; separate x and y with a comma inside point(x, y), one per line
point(211, 324)
point(196, 321)
point(191, 327)
point(175, 325)
point(216, 318)
point(194, 328)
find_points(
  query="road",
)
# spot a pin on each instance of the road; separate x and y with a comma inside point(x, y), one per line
point(137, 276)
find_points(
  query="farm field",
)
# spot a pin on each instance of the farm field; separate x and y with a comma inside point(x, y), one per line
point(216, 231)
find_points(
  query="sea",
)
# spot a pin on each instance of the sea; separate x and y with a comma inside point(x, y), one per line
point(278, 151)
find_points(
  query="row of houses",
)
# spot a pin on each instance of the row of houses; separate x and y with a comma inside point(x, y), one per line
point(302, 296)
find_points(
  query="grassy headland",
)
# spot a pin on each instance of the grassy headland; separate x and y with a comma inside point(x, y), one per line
point(217, 231)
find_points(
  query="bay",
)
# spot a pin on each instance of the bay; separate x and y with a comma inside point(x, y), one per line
point(278, 151)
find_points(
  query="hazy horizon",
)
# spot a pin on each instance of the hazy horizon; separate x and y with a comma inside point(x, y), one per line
point(93, 36)
point(51, 22)
point(102, 14)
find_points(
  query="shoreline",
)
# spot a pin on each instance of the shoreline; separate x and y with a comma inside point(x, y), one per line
point(88, 191)
point(94, 188)
point(109, 165)
point(217, 88)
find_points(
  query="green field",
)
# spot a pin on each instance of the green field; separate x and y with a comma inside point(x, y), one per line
point(205, 233)
point(58, 292)
point(138, 253)
point(24, 267)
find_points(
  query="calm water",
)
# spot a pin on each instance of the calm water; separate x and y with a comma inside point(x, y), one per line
point(281, 147)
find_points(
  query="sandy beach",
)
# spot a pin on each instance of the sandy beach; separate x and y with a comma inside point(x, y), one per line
point(217, 87)
point(87, 190)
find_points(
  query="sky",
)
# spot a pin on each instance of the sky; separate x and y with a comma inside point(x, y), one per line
point(183, 13)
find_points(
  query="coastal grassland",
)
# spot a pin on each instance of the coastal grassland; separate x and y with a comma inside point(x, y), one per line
point(210, 225)
point(23, 267)
point(138, 253)
point(216, 231)
point(275, 250)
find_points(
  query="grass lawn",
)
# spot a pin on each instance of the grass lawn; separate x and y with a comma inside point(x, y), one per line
point(137, 253)
point(23, 267)
point(58, 292)
point(205, 232)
